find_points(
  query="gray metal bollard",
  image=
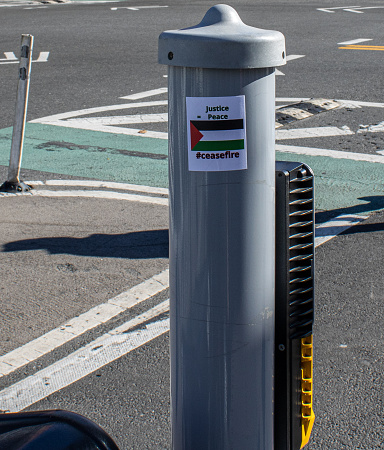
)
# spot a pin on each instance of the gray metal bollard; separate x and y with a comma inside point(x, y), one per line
point(222, 222)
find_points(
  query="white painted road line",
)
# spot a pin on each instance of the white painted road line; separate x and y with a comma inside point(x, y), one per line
point(358, 104)
point(303, 133)
point(310, 151)
point(85, 125)
point(161, 308)
point(328, 230)
point(43, 57)
point(293, 57)
point(77, 365)
point(117, 343)
point(370, 7)
point(354, 41)
point(102, 184)
point(145, 94)
point(85, 322)
point(10, 58)
point(122, 120)
point(137, 8)
point(291, 100)
point(76, 119)
point(330, 10)
point(353, 11)
point(344, 8)
point(97, 194)
point(83, 112)
point(377, 128)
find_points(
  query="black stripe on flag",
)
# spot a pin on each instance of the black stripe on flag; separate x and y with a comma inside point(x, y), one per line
point(213, 125)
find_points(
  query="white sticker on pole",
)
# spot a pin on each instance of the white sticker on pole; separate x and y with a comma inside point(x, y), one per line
point(216, 134)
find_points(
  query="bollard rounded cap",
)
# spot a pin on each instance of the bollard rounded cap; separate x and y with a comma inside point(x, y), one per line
point(222, 41)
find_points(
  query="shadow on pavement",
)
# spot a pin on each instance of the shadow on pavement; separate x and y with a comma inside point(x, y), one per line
point(155, 243)
point(365, 228)
point(373, 204)
point(135, 245)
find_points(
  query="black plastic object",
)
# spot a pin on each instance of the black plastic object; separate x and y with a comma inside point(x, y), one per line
point(52, 430)
point(19, 186)
point(294, 300)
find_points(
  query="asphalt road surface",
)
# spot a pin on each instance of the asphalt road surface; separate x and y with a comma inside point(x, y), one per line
point(83, 260)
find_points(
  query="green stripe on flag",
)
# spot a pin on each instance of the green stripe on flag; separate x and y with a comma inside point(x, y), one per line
point(217, 146)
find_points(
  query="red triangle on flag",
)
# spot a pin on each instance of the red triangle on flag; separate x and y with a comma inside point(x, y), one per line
point(195, 135)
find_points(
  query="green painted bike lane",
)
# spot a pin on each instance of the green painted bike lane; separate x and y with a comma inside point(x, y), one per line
point(341, 184)
point(91, 154)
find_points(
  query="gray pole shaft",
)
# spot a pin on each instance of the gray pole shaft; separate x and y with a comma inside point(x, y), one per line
point(21, 108)
point(222, 238)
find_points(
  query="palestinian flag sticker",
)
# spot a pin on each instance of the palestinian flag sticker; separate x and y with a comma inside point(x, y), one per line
point(216, 133)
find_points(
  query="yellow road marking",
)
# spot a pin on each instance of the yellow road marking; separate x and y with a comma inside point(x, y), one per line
point(363, 47)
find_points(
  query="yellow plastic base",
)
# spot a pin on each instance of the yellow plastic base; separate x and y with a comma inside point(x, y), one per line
point(307, 414)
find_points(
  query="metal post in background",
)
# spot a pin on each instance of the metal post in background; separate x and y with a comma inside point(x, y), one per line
point(222, 230)
point(13, 184)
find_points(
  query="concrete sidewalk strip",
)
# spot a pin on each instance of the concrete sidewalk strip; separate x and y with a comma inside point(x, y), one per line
point(75, 327)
